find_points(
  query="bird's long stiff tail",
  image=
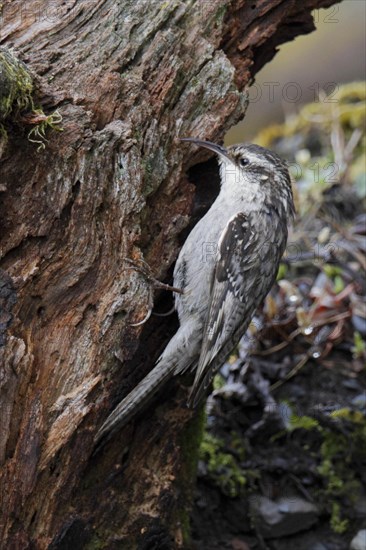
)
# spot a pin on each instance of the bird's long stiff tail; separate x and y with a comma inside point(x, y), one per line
point(175, 359)
point(135, 400)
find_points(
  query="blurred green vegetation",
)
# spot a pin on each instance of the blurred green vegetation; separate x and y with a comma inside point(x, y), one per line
point(328, 57)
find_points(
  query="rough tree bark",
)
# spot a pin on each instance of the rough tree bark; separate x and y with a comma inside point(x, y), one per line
point(128, 78)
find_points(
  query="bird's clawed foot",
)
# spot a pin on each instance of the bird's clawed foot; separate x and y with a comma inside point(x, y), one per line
point(142, 267)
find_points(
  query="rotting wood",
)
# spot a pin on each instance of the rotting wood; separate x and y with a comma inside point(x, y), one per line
point(128, 78)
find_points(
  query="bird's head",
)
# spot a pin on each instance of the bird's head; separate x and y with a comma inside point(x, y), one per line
point(253, 168)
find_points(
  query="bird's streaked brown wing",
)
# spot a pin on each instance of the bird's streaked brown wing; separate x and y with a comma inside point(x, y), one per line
point(228, 293)
point(244, 273)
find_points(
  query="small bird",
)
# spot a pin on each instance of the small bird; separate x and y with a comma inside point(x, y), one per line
point(225, 269)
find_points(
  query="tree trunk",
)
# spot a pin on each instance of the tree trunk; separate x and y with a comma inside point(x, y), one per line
point(128, 79)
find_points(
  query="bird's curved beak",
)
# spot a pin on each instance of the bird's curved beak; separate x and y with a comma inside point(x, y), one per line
point(218, 149)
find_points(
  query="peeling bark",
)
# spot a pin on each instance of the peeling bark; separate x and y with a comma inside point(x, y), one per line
point(128, 78)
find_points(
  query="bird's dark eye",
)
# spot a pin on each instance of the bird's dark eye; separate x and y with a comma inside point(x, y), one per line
point(244, 161)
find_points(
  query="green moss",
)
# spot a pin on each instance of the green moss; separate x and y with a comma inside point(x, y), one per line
point(302, 422)
point(338, 524)
point(218, 382)
point(222, 467)
point(237, 444)
point(339, 451)
point(359, 345)
point(185, 526)
point(190, 444)
point(3, 138)
point(16, 85)
point(347, 414)
point(17, 103)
